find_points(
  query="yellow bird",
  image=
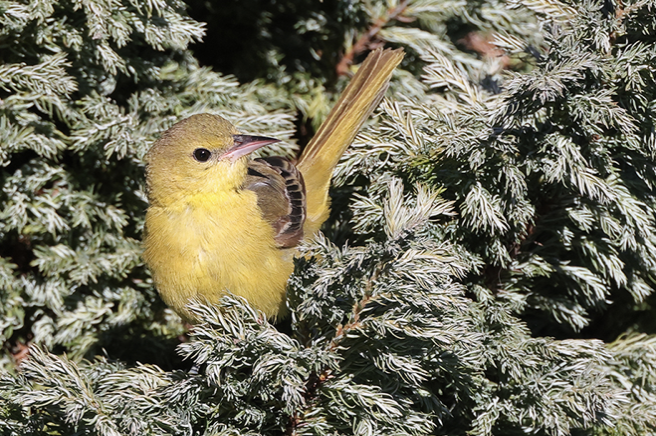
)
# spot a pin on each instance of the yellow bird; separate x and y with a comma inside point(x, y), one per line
point(219, 221)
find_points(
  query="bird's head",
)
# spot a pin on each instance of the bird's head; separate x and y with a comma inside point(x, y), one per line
point(203, 153)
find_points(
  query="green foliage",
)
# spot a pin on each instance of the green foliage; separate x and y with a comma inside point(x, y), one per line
point(488, 268)
point(85, 89)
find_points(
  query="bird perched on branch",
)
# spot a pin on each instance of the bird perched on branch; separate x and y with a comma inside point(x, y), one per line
point(219, 221)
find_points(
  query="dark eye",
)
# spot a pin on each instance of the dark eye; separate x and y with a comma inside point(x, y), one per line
point(202, 154)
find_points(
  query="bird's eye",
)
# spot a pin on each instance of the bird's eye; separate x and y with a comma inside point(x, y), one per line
point(202, 154)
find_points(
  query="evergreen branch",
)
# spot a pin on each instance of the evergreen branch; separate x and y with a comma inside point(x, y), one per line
point(367, 39)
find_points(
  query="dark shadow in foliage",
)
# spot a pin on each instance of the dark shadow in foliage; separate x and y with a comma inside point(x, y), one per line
point(132, 344)
point(241, 35)
point(624, 315)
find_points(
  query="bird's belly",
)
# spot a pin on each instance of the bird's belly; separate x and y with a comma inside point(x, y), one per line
point(215, 244)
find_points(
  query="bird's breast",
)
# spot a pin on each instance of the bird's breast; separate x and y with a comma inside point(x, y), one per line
point(207, 244)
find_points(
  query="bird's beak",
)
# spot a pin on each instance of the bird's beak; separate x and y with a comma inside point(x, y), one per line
point(246, 144)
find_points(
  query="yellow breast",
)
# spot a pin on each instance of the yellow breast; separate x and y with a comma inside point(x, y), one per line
point(203, 245)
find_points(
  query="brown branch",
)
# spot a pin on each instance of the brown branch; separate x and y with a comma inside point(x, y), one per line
point(20, 352)
point(485, 47)
point(315, 380)
point(367, 40)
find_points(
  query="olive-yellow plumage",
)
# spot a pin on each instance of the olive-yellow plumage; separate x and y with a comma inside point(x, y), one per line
point(218, 221)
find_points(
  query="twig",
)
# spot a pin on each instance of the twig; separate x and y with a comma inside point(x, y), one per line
point(366, 40)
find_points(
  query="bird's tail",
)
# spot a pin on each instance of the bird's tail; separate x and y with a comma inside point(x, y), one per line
point(325, 149)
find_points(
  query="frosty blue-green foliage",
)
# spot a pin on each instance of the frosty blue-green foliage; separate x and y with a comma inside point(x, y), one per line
point(488, 268)
point(86, 87)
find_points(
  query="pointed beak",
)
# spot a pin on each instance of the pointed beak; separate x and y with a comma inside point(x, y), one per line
point(246, 144)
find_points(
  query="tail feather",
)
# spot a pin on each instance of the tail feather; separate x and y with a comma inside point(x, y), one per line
point(354, 106)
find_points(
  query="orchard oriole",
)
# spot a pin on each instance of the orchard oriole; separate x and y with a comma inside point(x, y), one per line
point(220, 221)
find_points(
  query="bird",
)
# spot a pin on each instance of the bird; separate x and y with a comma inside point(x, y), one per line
point(221, 222)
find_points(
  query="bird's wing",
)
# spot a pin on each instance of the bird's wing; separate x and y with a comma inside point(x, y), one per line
point(280, 196)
